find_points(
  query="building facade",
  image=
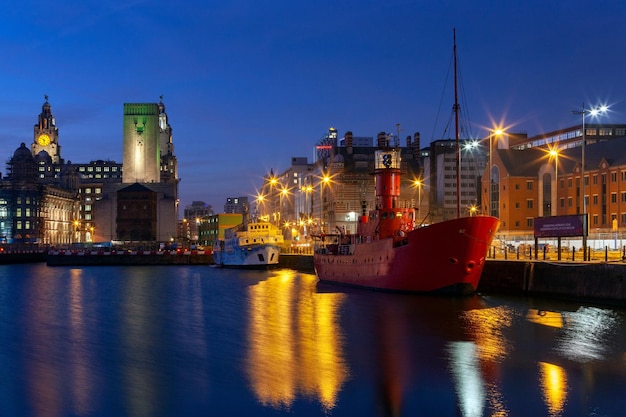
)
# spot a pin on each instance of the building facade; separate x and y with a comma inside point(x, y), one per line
point(528, 182)
point(148, 160)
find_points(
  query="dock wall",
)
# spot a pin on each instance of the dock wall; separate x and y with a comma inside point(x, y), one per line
point(595, 281)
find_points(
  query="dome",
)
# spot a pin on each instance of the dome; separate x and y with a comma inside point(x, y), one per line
point(22, 153)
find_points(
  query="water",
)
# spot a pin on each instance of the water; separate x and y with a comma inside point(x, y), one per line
point(200, 341)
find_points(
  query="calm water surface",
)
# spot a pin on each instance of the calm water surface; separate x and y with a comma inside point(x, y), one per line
point(201, 341)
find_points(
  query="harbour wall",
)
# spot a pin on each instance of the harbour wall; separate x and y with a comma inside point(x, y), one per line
point(590, 281)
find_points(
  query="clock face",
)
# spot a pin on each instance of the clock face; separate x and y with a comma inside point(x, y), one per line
point(43, 140)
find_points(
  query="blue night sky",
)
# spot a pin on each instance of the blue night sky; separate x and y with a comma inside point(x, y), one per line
point(249, 84)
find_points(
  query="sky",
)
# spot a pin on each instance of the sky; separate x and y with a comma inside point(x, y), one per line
point(249, 84)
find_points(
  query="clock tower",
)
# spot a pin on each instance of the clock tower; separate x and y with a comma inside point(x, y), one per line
point(46, 134)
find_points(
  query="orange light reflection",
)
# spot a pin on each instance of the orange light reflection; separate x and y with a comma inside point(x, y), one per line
point(295, 342)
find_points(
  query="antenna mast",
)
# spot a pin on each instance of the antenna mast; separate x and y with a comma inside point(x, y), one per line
point(458, 144)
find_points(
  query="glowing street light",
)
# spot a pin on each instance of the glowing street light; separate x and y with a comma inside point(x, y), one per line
point(273, 182)
point(496, 132)
point(284, 192)
point(418, 184)
point(583, 112)
point(554, 153)
point(325, 181)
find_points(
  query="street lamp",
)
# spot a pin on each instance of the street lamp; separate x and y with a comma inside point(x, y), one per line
point(496, 133)
point(273, 181)
point(583, 112)
point(325, 180)
point(554, 153)
point(283, 193)
point(308, 189)
point(418, 184)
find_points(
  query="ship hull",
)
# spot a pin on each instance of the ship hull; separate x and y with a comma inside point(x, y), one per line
point(259, 256)
point(446, 257)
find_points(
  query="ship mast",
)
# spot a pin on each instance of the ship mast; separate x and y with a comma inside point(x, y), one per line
point(456, 127)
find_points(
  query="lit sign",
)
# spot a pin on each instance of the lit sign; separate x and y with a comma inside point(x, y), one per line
point(560, 226)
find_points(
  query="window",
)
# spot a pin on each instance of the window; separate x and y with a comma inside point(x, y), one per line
point(595, 179)
point(517, 204)
point(613, 197)
point(623, 197)
point(595, 199)
point(569, 183)
point(613, 176)
point(595, 219)
point(569, 201)
point(529, 185)
point(529, 222)
point(529, 203)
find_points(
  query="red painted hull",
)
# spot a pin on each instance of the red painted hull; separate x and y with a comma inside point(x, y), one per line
point(446, 257)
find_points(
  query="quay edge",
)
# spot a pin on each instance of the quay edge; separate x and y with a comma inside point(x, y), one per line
point(601, 282)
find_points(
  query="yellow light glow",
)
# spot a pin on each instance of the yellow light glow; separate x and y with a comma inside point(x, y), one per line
point(553, 386)
point(295, 342)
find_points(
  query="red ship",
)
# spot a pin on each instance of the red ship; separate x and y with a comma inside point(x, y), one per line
point(389, 252)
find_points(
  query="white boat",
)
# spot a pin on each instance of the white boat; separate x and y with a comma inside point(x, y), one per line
point(249, 245)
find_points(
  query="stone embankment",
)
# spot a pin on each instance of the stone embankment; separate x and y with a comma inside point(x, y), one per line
point(591, 281)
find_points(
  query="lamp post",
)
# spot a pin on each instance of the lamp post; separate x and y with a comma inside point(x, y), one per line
point(583, 112)
point(283, 193)
point(325, 180)
point(308, 189)
point(418, 184)
point(273, 182)
point(554, 153)
point(490, 210)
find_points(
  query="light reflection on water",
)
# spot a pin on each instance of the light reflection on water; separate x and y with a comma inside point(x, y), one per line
point(295, 342)
point(196, 341)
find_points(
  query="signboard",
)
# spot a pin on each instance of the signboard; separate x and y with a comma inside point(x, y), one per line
point(560, 226)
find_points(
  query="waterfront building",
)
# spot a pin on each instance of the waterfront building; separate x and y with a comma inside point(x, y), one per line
point(236, 205)
point(192, 216)
point(440, 178)
point(148, 160)
point(526, 182)
point(212, 227)
point(31, 212)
